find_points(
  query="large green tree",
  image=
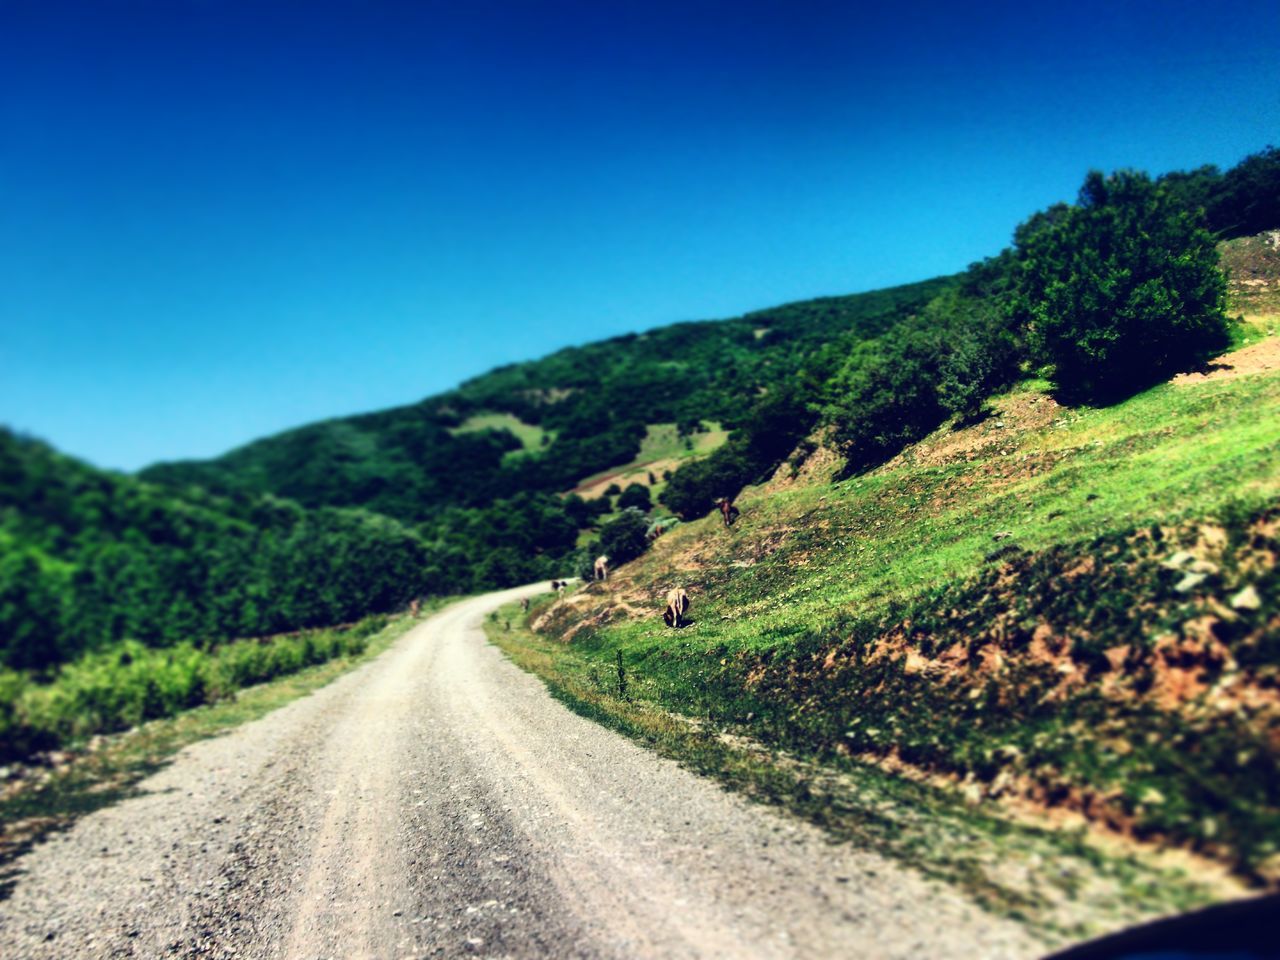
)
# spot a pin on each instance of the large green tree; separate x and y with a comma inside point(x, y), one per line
point(1120, 289)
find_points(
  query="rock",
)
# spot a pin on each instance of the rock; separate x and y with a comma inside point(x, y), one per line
point(1204, 566)
point(1190, 582)
point(1246, 599)
point(1177, 561)
point(1002, 535)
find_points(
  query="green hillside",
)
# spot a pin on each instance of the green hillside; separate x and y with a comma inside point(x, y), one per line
point(594, 403)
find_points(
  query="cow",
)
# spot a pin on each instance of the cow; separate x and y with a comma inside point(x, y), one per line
point(524, 605)
point(728, 511)
point(601, 571)
point(677, 607)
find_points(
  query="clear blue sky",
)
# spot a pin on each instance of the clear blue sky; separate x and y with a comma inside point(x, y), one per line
point(219, 219)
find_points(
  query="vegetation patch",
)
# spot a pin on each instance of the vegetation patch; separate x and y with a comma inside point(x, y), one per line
point(128, 683)
point(664, 447)
point(531, 436)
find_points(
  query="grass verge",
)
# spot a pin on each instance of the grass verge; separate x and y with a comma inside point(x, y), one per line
point(1063, 883)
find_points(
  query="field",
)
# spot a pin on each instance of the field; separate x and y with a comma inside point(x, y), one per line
point(532, 436)
point(662, 449)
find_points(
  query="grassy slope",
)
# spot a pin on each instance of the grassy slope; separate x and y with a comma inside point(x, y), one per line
point(811, 567)
point(530, 435)
point(661, 449)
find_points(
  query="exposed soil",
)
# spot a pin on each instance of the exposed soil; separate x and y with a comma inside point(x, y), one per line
point(1261, 357)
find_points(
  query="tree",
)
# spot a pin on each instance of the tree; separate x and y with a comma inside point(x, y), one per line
point(1119, 290)
point(623, 538)
point(1247, 200)
point(636, 495)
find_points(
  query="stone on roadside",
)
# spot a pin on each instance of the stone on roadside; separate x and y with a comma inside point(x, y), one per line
point(1177, 561)
point(1190, 582)
point(1246, 599)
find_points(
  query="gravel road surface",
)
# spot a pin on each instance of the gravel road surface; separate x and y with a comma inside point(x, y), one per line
point(437, 802)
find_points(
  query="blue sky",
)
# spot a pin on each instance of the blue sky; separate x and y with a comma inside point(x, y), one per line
point(221, 219)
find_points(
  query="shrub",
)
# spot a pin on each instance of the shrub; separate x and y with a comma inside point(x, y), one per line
point(129, 683)
point(694, 488)
point(623, 538)
point(1120, 290)
point(771, 430)
point(635, 495)
point(894, 391)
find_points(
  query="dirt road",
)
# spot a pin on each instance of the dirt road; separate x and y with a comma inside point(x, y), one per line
point(437, 802)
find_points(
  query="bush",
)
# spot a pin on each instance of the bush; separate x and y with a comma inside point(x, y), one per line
point(623, 538)
point(1247, 198)
point(635, 496)
point(129, 683)
point(770, 431)
point(1120, 290)
point(896, 390)
point(695, 488)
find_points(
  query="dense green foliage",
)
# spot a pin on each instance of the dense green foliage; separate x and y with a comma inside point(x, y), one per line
point(895, 390)
point(775, 424)
point(636, 495)
point(93, 557)
point(1239, 203)
point(1121, 289)
point(128, 683)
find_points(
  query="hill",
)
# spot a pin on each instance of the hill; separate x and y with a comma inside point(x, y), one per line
point(1052, 615)
point(549, 425)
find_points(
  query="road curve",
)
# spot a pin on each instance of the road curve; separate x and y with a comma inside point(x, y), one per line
point(437, 802)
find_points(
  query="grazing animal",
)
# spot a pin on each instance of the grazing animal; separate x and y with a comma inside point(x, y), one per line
point(677, 607)
point(728, 511)
point(602, 568)
point(414, 606)
point(524, 605)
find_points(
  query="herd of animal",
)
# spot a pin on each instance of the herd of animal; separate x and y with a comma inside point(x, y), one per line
point(677, 599)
